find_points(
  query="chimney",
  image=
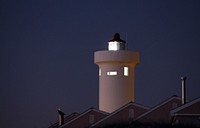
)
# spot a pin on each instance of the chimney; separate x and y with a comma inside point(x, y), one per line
point(183, 79)
point(60, 117)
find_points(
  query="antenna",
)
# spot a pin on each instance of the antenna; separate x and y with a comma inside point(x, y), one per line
point(126, 40)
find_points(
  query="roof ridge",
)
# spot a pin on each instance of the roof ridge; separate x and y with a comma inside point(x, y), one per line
point(185, 105)
point(118, 110)
point(157, 106)
point(83, 113)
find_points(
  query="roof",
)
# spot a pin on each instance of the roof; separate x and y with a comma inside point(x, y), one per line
point(187, 115)
point(89, 110)
point(185, 106)
point(117, 38)
point(66, 119)
point(158, 106)
point(118, 110)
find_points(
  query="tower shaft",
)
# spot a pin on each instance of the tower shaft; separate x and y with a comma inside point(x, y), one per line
point(116, 78)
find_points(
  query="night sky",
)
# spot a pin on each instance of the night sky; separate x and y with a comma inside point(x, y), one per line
point(47, 52)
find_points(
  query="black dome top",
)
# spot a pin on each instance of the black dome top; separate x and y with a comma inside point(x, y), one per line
point(117, 38)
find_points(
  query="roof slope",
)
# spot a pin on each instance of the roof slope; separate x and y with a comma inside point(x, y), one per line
point(121, 115)
point(66, 119)
point(188, 106)
point(160, 113)
point(82, 120)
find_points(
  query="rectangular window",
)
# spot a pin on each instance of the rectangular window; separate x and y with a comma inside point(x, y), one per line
point(125, 71)
point(174, 105)
point(99, 72)
point(131, 113)
point(91, 119)
point(112, 73)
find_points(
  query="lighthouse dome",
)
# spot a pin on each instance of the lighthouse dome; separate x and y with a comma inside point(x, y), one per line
point(116, 43)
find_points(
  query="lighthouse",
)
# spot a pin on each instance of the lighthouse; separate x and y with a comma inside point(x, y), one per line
point(116, 74)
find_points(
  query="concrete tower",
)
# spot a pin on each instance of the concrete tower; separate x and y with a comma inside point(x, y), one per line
point(116, 74)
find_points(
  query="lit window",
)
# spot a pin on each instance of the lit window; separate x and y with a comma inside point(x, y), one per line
point(131, 113)
point(91, 119)
point(113, 73)
point(125, 71)
point(113, 46)
point(99, 72)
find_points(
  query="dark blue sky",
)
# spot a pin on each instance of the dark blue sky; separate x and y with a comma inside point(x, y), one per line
point(47, 47)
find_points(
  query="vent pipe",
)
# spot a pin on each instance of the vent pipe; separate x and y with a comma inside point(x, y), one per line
point(183, 79)
point(60, 117)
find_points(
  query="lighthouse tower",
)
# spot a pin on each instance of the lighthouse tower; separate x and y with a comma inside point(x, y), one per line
point(116, 74)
